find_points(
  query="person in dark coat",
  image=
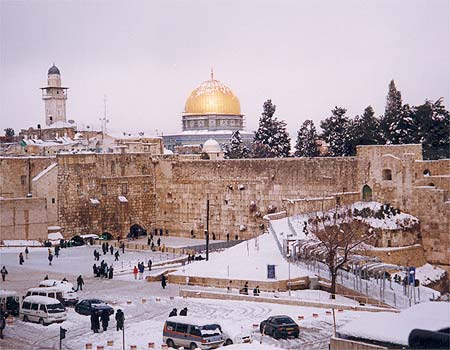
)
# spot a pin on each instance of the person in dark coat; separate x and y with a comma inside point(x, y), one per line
point(3, 316)
point(256, 291)
point(123, 248)
point(50, 258)
point(111, 273)
point(95, 322)
point(173, 312)
point(3, 272)
point(158, 242)
point(149, 241)
point(57, 251)
point(164, 281)
point(80, 283)
point(95, 269)
point(105, 320)
point(111, 249)
point(149, 264)
point(120, 318)
point(21, 258)
point(183, 312)
point(116, 256)
point(26, 252)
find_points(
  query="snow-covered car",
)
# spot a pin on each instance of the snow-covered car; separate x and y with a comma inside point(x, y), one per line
point(87, 306)
point(233, 333)
point(70, 297)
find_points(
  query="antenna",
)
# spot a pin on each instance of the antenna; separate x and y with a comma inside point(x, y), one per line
point(104, 120)
point(212, 73)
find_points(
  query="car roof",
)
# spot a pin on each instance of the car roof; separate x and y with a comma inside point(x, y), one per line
point(7, 293)
point(45, 289)
point(37, 299)
point(191, 320)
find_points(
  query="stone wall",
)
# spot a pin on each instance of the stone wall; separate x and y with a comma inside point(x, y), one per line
point(44, 185)
point(16, 174)
point(23, 218)
point(105, 193)
point(240, 192)
point(403, 256)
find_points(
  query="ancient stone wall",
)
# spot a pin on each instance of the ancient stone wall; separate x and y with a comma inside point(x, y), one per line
point(23, 218)
point(44, 185)
point(16, 174)
point(105, 193)
point(240, 192)
point(404, 256)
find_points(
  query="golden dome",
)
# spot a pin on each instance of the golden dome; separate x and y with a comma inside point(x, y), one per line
point(212, 97)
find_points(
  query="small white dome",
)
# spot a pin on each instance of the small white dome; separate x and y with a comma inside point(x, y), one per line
point(167, 151)
point(211, 146)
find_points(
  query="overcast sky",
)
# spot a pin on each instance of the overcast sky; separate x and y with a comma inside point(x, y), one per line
point(147, 56)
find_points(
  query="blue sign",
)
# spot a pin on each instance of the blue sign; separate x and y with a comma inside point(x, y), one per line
point(271, 271)
point(411, 275)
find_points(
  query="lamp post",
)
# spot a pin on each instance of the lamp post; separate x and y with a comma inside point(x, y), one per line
point(207, 230)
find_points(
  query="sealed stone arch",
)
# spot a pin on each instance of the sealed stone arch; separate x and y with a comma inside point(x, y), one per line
point(366, 193)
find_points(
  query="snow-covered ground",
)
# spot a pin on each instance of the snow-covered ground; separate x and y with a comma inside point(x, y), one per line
point(427, 274)
point(432, 316)
point(245, 261)
point(144, 321)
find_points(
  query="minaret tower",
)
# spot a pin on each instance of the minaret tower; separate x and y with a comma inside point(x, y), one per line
point(54, 96)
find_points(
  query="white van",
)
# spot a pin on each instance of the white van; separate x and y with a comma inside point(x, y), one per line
point(50, 292)
point(69, 295)
point(192, 333)
point(42, 309)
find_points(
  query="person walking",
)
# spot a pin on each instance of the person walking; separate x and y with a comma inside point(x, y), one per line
point(3, 272)
point(149, 264)
point(92, 318)
point(95, 269)
point(26, 252)
point(110, 273)
point(80, 283)
point(111, 249)
point(116, 256)
point(57, 251)
point(21, 258)
point(50, 258)
point(163, 281)
point(141, 270)
point(135, 272)
point(120, 318)
point(123, 248)
point(149, 240)
point(105, 320)
point(158, 242)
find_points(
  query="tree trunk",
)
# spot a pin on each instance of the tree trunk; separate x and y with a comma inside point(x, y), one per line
point(333, 284)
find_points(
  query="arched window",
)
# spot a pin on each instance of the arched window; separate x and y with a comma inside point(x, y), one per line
point(426, 172)
point(387, 174)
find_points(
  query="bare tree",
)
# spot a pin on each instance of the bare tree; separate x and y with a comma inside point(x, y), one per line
point(338, 233)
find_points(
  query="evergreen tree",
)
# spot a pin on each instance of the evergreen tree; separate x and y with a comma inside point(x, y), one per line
point(337, 131)
point(433, 125)
point(366, 129)
point(392, 113)
point(236, 149)
point(9, 132)
point(306, 145)
point(271, 139)
point(403, 129)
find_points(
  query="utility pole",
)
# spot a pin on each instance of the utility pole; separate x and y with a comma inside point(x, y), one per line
point(207, 230)
point(123, 334)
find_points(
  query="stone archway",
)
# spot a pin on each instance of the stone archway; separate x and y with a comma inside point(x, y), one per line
point(366, 193)
point(136, 231)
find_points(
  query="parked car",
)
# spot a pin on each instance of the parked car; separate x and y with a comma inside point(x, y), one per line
point(70, 297)
point(86, 306)
point(41, 309)
point(9, 301)
point(279, 327)
point(235, 334)
point(191, 333)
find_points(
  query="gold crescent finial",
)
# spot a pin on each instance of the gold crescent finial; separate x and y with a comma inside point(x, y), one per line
point(212, 74)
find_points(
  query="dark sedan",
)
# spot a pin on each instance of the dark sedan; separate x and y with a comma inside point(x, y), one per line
point(87, 306)
point(279, 327)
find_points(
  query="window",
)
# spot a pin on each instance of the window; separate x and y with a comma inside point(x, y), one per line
point(387, 174)
point(53, 200)
point(104, 190)
point(122, 170)
point(34, 307)
point(113, 168)
point(26, 305)
point(426, 172)
point(51, 295)
point(182, 328)
point(170, 326)
point(79, 190)
point(42, 308)
point(124, 188)
point(23, 179)
point(195, 331)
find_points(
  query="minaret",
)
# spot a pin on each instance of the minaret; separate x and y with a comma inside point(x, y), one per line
point(54, 96)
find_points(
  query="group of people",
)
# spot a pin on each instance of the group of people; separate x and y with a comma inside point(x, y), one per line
point(140, 268)
point(103, 270)
point(103, 317)
point(174, 312)
point(192, 257)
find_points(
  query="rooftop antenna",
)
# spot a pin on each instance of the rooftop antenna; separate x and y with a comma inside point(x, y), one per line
point(104, 120)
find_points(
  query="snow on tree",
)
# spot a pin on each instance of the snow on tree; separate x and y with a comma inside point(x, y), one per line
point(402, 129)
point(433, 126)
point(337, 133)
point(392, 115)
point(9, 132)
point(236, 149)
point(271, 139)
point(366, 129)
point(306, 145)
